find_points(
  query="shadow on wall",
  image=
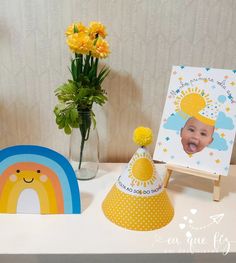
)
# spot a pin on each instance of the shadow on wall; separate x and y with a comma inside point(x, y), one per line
point(119, 117)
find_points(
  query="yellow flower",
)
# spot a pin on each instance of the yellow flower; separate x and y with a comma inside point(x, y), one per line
point(80, 43)
point(80, 27)
point(97, 29)
point(101, 49)
point(142, 136)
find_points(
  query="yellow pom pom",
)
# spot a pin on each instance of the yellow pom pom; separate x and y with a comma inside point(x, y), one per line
point(142, 136)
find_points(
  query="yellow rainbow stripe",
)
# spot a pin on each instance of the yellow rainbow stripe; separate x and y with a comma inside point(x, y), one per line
point(49, 191)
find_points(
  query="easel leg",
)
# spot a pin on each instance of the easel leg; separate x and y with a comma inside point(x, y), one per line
point(167, 177)
point(216, 193)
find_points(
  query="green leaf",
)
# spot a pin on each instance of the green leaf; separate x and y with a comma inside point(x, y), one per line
point(91, 74)
point(103, 75)
point(93, 119)
point(75, 124)
point(74, 69)
point(56, 111)
point(73, 115)
point(76, 30)
point(66, 93)
point(62, 124)
point(67, 129)
point(59, 119)
point(86, 64)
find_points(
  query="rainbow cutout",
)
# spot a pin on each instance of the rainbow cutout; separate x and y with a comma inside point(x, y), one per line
point(43, 170)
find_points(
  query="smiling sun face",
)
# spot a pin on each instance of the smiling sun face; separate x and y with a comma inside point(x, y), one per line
point(142, 170)
point(192, 101)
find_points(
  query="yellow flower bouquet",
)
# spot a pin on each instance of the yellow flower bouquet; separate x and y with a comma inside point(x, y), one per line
point(77, 96)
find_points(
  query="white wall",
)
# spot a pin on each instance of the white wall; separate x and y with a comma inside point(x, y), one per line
point(146, 37)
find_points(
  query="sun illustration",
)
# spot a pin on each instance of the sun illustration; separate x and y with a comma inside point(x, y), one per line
point(142, 170)
point(192, 101)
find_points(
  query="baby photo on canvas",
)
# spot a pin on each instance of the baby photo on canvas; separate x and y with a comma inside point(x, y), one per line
point(198, 123)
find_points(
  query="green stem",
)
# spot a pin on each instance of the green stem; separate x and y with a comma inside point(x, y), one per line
point(86, 65)
point(96, 66)
point(81, 152)
point(79, 64)
point(85, 131)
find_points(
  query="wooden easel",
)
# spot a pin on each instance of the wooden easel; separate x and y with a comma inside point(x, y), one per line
point(214, 177)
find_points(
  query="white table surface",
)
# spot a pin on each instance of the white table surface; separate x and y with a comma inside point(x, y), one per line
point(192, 229)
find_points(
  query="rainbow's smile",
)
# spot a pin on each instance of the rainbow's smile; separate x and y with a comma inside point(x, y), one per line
point(28, 182)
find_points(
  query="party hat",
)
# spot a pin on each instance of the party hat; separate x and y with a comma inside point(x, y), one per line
point(209, 114)
point(138, 201)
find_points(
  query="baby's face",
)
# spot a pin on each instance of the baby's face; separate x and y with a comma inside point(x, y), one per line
point(195, 136)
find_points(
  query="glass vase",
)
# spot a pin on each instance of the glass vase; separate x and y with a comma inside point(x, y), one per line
point(84, 148)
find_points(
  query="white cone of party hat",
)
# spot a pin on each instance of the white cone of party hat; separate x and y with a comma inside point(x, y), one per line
point(138, 200)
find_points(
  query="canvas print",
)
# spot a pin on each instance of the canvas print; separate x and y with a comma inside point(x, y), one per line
point(198, 123)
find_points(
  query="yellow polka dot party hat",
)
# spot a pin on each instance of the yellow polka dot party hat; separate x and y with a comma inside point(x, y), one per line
point(138, 200)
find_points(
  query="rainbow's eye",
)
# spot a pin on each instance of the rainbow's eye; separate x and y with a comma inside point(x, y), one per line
point(38, 171)
point(18, 171)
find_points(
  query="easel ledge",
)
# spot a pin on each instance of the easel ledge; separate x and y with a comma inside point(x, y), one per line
point(216, 178)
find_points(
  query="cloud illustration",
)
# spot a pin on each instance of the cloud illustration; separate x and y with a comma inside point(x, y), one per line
point(174, 122)
point(224, 122)
point(218, 143)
